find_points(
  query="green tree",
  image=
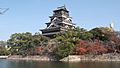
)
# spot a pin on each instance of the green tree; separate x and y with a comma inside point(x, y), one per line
point(74, 35)
point(39, 40)
point(3, 51)
point(69, 39)
point(20, 43)
point(65, 49)
point(101, 33)
point(25, 43)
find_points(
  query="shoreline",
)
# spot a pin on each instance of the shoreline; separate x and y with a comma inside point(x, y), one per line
point(71, 58)
point(3, 57)
point(36, 58)
point(95, 58)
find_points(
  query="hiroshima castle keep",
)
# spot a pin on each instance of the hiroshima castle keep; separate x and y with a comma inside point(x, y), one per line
point(60, 21)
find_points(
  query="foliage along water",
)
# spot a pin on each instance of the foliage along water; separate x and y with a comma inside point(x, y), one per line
point(38, 64)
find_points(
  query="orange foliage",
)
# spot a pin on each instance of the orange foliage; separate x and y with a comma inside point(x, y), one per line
point(87, 47)
point(39, 50)
point(82, 51)
point(96, 49)
point(81, 47)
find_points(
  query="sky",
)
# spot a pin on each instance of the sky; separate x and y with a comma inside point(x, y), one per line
point(31, 15)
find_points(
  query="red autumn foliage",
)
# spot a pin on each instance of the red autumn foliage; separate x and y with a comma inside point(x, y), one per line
point(82, 51)
point(81, 47)
point(97, 49)
point(39, 50)
point(87, 47)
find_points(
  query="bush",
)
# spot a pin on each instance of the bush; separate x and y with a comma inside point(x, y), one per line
point(64, 50)
point(4, 51)
point(87, 47)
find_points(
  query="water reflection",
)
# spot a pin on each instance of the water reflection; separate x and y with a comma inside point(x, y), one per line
point(37, 64)
point(95, 65)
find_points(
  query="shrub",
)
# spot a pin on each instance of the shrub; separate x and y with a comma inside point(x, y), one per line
point(64, 50)
point(87, 47)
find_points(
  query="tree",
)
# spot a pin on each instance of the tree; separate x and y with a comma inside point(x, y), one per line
point(114, 42)
point(88, 47)
point(97, 48)
point(65, 49)
point(81, 47)
point(73, 35)
point(69, 39)
point(101, 33)
point(20, 43)
point(39, 40)
point(81, 33)
point(26, 43)
point(3, 51)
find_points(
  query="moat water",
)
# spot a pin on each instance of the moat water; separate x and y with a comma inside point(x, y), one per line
point(4, 63)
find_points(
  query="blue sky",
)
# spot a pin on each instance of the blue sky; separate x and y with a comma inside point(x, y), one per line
point(31, 15)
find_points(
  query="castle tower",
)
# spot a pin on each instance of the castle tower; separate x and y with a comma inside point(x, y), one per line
point(59, 22)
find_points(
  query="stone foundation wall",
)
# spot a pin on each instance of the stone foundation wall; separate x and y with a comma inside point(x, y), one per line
point(39, 58)
point(104, 57)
